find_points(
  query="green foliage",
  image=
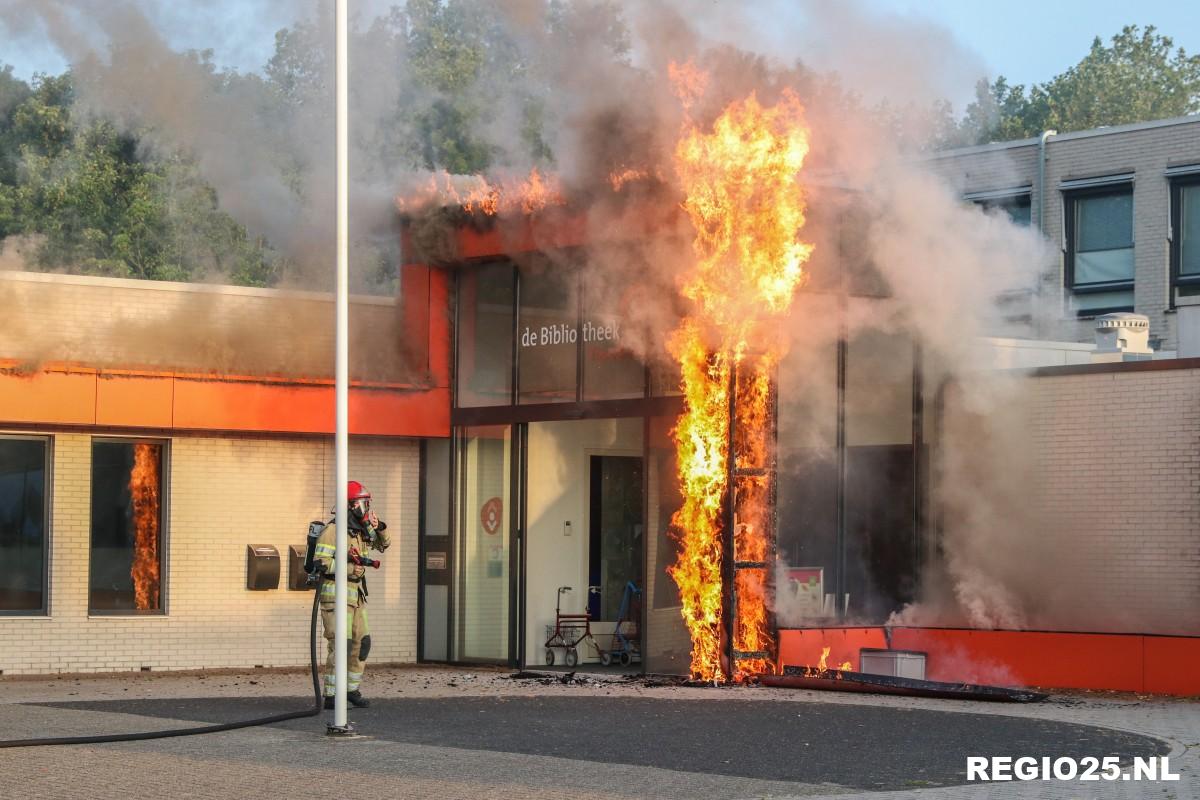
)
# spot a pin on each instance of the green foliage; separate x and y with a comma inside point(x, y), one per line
point(440, 83)
point(1139, 76)
point(98, 208)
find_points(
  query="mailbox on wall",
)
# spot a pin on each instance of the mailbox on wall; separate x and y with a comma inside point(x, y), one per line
point(297, 577)
point(262, 566)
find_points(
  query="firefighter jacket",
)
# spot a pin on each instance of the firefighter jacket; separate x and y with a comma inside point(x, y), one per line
point(361, 537)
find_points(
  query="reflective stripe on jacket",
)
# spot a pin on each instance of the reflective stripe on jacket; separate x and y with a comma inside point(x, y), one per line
point(324, 552)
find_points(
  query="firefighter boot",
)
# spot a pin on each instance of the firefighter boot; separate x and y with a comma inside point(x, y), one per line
point(356, 699)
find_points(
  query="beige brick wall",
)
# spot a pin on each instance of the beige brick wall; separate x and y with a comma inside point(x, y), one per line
point(1144, 151)
point(225, 493)
point(1117, 457)
point(1074, 501)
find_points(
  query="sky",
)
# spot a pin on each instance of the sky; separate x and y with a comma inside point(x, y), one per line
point(1027, 41)
point(1030, 42)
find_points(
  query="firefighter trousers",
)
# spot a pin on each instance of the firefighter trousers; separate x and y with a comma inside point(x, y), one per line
point(357, 648)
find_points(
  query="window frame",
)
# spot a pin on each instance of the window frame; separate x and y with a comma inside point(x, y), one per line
point(1001, 199)
point(1175, 186)
point(1071, 198)
point(164, 529)
point(513, 409)
point(47, 526)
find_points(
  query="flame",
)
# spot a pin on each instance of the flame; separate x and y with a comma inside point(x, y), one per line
point(822, 670)
point(688, 82)
point(619, 178)
point(742, 197)
point(143, 491)
point(474, 194)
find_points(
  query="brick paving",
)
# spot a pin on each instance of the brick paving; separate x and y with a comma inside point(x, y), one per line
point(266, 762)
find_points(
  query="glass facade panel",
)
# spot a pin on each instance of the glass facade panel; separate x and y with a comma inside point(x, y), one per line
point(22, 525)
point(880, 532)
point(486, 304)
point(437, 550)
point(126, 559)
point(665, 378)
point(666, 647)
point(807, 492)
point(482, 585)
point(548, 334)
point(1189, 229)
point(610, 372)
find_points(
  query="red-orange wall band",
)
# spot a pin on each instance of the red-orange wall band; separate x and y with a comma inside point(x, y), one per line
point(1121, 662)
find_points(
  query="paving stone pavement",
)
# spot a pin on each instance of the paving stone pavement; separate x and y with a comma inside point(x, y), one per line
point(274, 761)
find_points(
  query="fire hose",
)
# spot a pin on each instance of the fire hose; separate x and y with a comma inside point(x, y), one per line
point(316, 709)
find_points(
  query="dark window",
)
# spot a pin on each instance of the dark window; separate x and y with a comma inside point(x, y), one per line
point(436, 550)
point(23, 540)
point(1016, 206)
point(486, 304)
point(126, 562)
point(1185, 234)
point(1100, 249)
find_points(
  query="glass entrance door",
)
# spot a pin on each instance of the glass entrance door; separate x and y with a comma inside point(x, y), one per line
point(483, 609)
point(583, 518)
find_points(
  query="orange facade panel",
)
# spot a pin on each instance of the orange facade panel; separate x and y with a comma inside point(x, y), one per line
point(52, 397)
point(380, 413)
point(166, 402)
point(1028, 658)
point(509, 237)
point(1172, 665)
point(217, 405)
point(802, 647)
point(440, 315)
point(1120, 662)
point(134, 401)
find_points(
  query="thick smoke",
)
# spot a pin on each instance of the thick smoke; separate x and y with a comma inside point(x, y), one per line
point(265, 147)
point(877, 211)
point(597, 77)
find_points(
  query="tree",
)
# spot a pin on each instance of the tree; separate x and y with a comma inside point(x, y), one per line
point(101, 207)
point(1139, 76)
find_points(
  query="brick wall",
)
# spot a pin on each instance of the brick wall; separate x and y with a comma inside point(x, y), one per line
point(225, 493)
point(1116, 456)
point(1145, 151)
point(1068, 499)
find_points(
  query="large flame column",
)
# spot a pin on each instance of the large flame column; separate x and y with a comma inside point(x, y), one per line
point(746, 206)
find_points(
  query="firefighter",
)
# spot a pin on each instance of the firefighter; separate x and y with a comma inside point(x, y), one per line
point(365, 532)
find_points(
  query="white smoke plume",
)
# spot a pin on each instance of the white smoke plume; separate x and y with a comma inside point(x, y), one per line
point(596, 75)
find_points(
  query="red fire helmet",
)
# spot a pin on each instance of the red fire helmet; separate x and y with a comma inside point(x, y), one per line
point(356, 491)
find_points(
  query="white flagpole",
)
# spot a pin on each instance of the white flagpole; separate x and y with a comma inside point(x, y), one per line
point(341, 368)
